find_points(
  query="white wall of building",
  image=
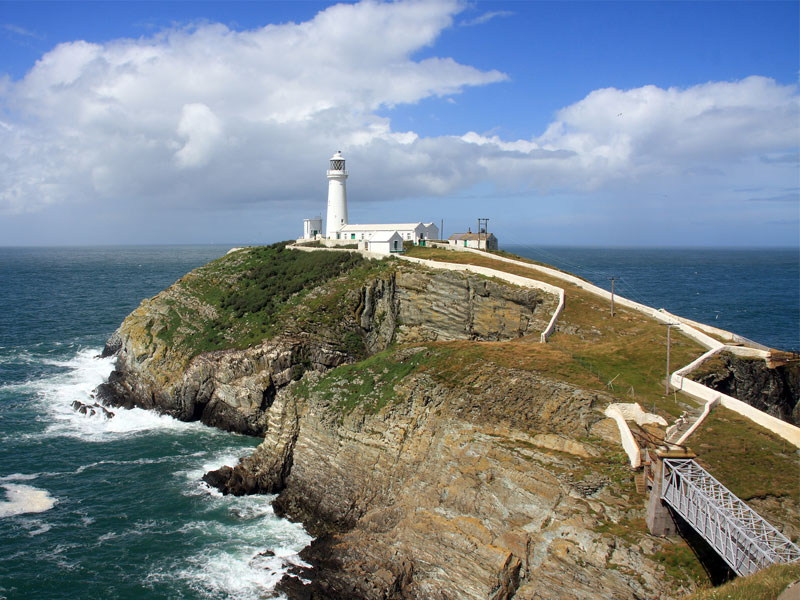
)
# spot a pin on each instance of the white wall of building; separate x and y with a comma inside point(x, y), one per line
point(312, 228)
point(385, 242)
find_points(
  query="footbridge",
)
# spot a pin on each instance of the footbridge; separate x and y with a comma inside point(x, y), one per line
point(737, 533)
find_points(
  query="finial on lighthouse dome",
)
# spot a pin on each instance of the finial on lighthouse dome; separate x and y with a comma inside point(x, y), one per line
point(337, 161)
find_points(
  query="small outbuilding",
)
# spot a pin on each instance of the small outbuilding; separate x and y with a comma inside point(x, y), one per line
point(481, 241)
point(384, 242)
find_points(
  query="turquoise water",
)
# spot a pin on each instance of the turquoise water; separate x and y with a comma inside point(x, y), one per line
point(114, 508)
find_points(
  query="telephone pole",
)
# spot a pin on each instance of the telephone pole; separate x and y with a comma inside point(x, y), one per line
point(612, 295)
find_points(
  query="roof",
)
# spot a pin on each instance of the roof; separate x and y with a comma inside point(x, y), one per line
point(384, 236)
point(380, 227)
point(470, 236)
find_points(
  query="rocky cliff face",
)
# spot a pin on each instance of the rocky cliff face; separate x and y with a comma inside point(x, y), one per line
point(424, 470)
point(232, 389)
point(775, 391)
point(493, 486)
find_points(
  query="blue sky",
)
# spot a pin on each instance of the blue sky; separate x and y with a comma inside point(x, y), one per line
point(572, 123)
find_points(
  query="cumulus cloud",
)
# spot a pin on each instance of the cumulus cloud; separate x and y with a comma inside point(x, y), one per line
point(202, 129)
point(209, 116)
point(255, 109)
point(614, 135)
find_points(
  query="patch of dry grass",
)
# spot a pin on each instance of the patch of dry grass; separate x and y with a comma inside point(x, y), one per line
point(764, 585)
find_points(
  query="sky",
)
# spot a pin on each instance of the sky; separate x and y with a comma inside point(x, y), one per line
point(563, 123)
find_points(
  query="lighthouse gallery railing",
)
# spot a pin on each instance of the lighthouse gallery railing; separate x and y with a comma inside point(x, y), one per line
point(740, 535)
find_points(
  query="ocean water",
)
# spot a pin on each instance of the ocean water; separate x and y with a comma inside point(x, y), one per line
point(114, 508)
point(750, 291)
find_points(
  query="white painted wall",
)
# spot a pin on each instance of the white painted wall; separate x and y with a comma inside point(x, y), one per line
point(310, 226)
point(628, 441)
point(337, 196)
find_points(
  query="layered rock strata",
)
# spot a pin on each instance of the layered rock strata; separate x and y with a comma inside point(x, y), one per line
point(451, 492)
point(419, 478)
point(232, 389)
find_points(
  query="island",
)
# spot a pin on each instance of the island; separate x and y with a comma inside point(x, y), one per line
point(440, 422)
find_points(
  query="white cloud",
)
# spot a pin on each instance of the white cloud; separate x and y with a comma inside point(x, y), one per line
point(256, 109)
point(614, 135)
point(211, 117)
point(202, 130)
point(486, 17)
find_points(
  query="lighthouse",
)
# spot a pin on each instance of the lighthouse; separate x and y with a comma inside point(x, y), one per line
point(337, 197)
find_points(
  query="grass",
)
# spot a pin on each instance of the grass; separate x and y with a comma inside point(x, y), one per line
point(749, 460)
point(591, 348)
point(681, 564)
point(368, 384)
point(246, 297)
point(767, 584)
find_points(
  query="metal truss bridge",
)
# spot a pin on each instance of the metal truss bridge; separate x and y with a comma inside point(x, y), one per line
point(741, 537)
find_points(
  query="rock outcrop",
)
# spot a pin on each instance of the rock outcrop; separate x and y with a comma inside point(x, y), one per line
point(775, 390)
point(470, 489)
point(232, 389)
point(423, 469)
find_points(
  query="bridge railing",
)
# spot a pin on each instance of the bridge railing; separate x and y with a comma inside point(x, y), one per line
point(741, 536)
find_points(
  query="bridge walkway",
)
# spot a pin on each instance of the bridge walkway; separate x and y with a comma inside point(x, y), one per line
point(745, 540)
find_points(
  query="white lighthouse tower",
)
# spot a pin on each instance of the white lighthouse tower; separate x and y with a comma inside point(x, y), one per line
point(337, 197)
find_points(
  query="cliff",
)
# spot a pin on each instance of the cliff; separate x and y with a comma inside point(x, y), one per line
point(423, 481)
point(774, 390)
point(193, 353)
point(414, 424)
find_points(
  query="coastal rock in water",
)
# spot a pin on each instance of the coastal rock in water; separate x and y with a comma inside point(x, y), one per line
point(91, 410)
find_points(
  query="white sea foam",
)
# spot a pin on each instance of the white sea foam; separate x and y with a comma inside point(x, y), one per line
point(35, 527)
point(19, 477)
point(246, 558)
point(84, 372)
point(21, 499)
point(242, 557)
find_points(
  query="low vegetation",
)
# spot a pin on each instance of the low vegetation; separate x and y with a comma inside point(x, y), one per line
point(624, 355)
point(252, 294)
point(767, 584)
point(749, 460)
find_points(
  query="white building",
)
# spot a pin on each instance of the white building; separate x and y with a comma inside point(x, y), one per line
point(384, 242)
point(337, 229)
point(312, 228)
point(481, 241)
point(416, 233)
point(337, 196)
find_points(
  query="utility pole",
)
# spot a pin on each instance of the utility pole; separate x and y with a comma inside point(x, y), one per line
point(441, 231)
point(612, 296)
point(666, 385)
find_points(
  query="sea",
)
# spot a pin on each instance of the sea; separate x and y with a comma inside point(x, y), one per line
point(97, 507)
